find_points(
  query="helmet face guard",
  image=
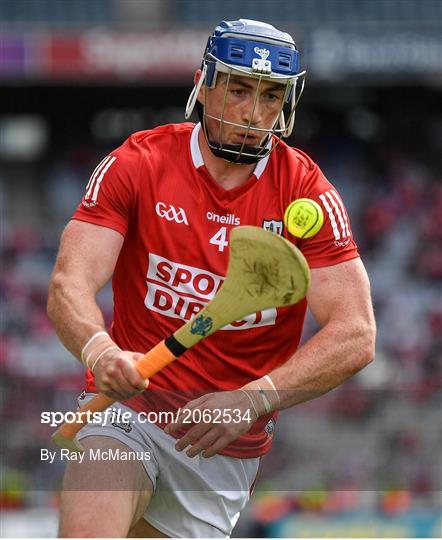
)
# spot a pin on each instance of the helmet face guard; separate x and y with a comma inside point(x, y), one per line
point(259, 51)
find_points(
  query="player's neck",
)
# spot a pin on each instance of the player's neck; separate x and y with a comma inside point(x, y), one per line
point(227, 175)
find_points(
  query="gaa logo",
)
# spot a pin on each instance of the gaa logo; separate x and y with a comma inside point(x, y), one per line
point(170, 213)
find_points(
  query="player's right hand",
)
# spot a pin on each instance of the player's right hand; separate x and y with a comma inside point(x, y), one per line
point(117, 377)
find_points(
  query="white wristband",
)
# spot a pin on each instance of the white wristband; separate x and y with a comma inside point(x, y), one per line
point(102, 333)
point(269, 380)
point(266, 402)
point(99, 357)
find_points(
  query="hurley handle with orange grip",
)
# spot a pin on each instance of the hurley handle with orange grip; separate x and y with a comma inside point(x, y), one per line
point(265, 271)
point(151, 363)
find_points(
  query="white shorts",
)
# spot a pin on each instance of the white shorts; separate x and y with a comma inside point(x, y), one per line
point(193, 497)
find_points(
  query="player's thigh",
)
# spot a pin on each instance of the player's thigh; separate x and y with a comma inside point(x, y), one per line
point(103, 497)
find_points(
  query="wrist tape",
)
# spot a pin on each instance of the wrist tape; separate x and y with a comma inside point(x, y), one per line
point(263, 394)
point(95, 348)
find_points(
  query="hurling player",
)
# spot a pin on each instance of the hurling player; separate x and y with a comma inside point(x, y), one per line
point(156, 217)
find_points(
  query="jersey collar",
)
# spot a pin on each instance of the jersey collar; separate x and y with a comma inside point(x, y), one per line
point(198, 160)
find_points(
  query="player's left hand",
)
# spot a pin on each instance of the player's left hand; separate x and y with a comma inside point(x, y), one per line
point(223, 417)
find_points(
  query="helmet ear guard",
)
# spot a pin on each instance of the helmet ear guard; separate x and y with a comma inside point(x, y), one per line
point(260, 51)
point(194, 94)
point(293, 100)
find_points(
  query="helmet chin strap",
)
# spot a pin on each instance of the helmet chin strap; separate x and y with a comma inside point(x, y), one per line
point(238, 154)
point(233, 156)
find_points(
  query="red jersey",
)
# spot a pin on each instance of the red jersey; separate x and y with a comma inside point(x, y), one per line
point(176, 220)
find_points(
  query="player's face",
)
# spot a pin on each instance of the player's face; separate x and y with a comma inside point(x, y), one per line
point(242, 100)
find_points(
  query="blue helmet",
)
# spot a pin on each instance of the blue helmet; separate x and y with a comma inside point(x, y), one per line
point(258, 50)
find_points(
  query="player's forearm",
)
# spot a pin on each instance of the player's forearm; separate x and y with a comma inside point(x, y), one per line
point(74, 313)
point(335, 353)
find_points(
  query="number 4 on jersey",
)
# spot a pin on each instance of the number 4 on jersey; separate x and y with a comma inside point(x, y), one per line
point(219, 239)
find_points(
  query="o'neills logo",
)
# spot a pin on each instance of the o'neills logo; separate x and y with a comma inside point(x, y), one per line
point(229, 219)
point(180, 291)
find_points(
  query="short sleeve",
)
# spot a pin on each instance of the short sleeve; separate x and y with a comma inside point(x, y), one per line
point(334, 243)
point(111, 191)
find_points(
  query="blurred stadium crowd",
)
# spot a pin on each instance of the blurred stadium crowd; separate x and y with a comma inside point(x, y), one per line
point(371, 445)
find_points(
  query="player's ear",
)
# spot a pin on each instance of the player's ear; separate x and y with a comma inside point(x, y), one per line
point(196, 76)
point(196, 79)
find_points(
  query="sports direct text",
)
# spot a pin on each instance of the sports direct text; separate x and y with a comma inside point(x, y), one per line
point(181, 291)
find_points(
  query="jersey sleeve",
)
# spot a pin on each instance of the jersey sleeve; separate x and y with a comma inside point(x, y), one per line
point(111, 191)
point(334, 243)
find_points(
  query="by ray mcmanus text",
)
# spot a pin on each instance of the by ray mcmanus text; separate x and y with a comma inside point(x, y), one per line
point(93, 454)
